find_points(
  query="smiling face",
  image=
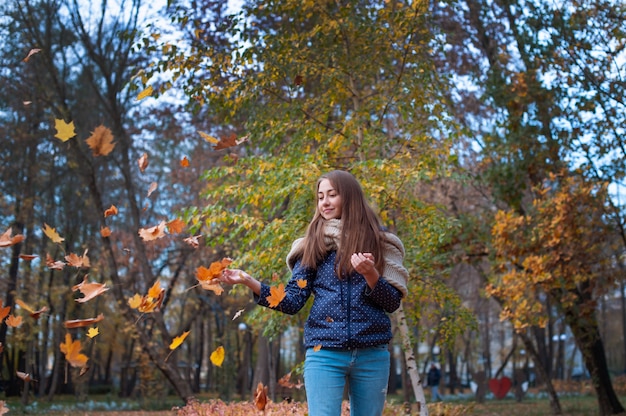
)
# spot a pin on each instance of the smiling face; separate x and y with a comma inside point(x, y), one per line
point(328, 200)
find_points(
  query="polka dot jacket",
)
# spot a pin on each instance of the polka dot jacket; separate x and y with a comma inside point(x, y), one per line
point(345, 314)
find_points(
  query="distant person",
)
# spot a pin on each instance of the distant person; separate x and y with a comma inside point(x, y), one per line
point(433, 379)
point(353, 268)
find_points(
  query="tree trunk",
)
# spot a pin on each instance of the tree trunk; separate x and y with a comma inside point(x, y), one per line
point(587, 334)
point(411, 363)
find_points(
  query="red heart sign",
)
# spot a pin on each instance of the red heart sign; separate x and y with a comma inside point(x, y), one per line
point(500, 386)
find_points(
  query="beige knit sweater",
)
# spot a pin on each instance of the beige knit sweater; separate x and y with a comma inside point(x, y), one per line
point(393, 251)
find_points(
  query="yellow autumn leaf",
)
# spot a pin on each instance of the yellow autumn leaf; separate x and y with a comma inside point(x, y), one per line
point(65, 131)
point(135, 301)
point(93, 332)
point(208, 137)
point(145, 93)
point(52, 233)
point(178, 340)
point(217, 356)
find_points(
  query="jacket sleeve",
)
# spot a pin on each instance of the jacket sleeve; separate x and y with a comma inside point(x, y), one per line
point(384, 295)
point(297, 291)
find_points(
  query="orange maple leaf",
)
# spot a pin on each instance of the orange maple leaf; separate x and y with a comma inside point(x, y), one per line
point(89, 289)
point(301, 283)
point(13, 321)
point(175, 226)
point(260, 396)
point(35, 314)
point(75, 260)
point(4, 311)
point(184, 162)
point(277, 294)
point(105, 232)
point(153, 233)
point(101, 141)
point(71, 349)
point(215, 269)
point(6, 240)
point(79, 323)
point(111, 211)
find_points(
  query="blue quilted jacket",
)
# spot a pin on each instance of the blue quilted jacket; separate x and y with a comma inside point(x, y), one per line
point(345, 314)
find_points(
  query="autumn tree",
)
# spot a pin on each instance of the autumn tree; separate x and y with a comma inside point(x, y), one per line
point(539, 95)
point(304, 88)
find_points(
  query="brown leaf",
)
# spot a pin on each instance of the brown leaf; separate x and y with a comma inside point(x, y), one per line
point(193, 241)
point(6, 240)
point(143, 162)
point(80, 323)
point(14, 321)
point(105, 232)
point(229, 141)
point(75, 260)
point(89, 290)
point(260, 396)
point(24, 376)
point(54, 265)
point(153, 233)
point(35, 314)
point(153, 187)
point(31, 53)
point(101, 141)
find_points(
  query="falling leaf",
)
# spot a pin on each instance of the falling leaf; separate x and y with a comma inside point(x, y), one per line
point(65, 131)
point(54, 265)
point(24, 376)
point(4, 311)
point(75, 260)
point(230, 141)
point(217, 356)
point(153, 233)
point(71, 349)
point(3, 407)
point(52, 234)
point(150, 302)
point(260, 397)
point(277, 294)
point(6, 240)
point(89, 289)
point(112, 210)
point(135, 301)
point(105, 232)
point(145, 93)
point(214, 270)
point(28, 257)
point(301, 283)
point(35, 314)
point(285, 381)
point(31, 53)
point(193, 241)
point(81, 323)
point(178, 340)
point(13, 321)
point(93, 332)
point(143, 162)
point(184, 162)
point(153, 187)
point(317, 347)
point(208, 137)
point(298, 80)
point(26, 104)
point(101, 141)
point(238, 314)
point(175, 226)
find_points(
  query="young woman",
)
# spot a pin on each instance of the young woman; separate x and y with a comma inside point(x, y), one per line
point(354, 270)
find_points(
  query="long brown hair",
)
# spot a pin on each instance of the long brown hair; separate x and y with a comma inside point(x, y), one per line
point(361, 228)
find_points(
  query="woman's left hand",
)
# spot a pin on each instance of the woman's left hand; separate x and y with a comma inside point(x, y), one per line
point(364, 264)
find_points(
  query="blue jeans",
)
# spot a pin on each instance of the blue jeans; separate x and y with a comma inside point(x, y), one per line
point(365, 369)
